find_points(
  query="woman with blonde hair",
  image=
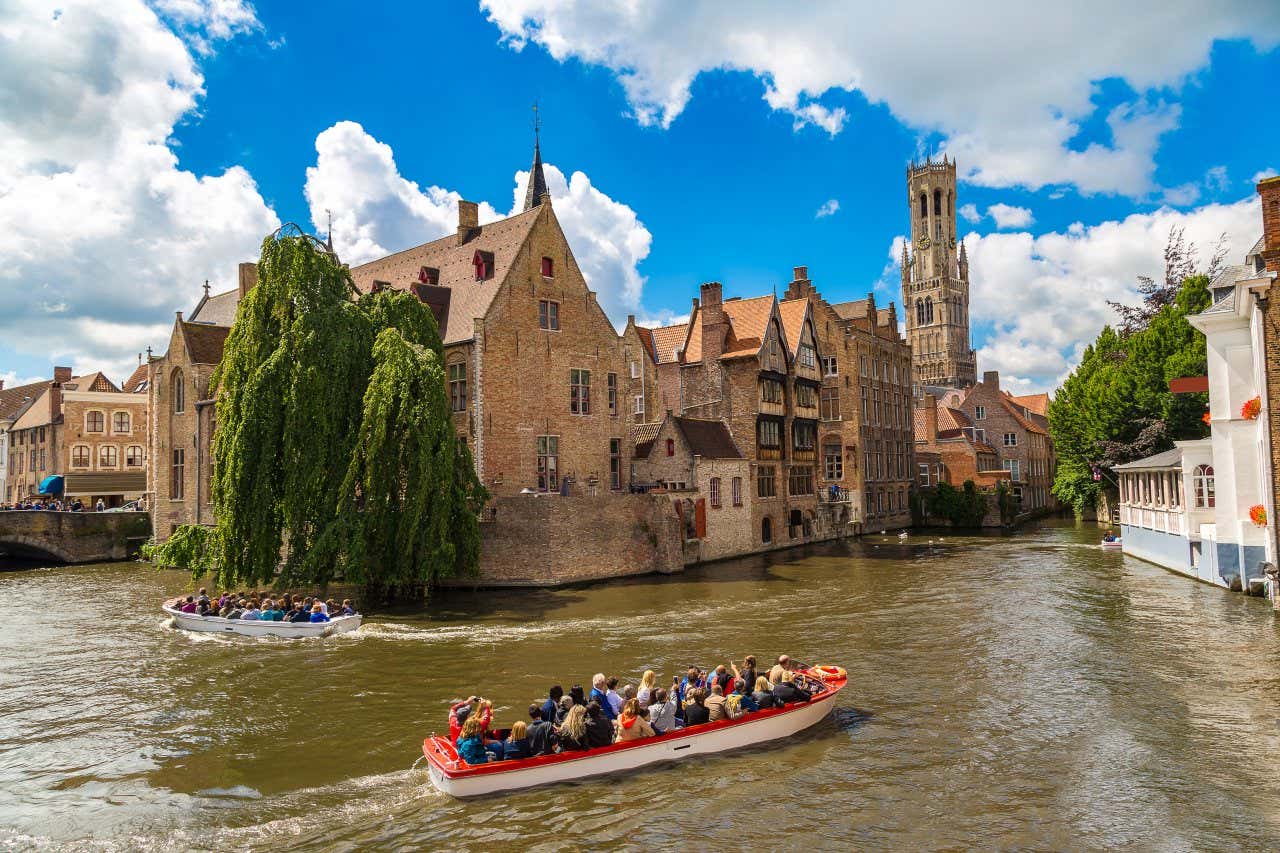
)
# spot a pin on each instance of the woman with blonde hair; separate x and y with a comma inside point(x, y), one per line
point(648, 683)
point(573, 731)
point(630, 725)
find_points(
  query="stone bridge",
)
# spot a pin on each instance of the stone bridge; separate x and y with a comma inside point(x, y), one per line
point(73, 537)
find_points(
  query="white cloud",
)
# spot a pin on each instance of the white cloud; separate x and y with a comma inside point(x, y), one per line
point(102, 235)
point(1216, 179)
point(970, 212)
point(1045, 296)
point(377, 211)
point(1008, 216)
point(202, 22)
point(829, 207)
point(10, 379)
point(1264, 174)
point(922, 61)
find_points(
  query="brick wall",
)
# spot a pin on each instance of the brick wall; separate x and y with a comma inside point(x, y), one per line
point(550, 540)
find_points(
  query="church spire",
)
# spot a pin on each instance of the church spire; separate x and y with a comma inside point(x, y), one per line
point(537, 181)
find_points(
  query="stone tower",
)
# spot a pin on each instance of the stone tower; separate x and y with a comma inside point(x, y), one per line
point(935, 280)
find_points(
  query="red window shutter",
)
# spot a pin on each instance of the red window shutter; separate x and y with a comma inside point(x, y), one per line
point(546, 267)
point(671, 447)
point(700, 517)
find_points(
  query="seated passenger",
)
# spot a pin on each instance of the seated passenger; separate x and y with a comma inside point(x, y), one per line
point(202, 598)
point(630, 725)
point(541, 733)
point(253, 612)
point(566, 703)
point(720, 675)
point(460, 711)
point(695, 709)
point(237, 610)
point(747, 673)
point(317, 614)
point(188, 606)
point(763, 696)
point(573, 731)
point(300, 613)
point(662, 712)
point(599, 726)
point(348, 609)
point(786, 691)
point(717, 705)
point(270, 613)
point(599, 694)
point(575, 693)
point(470, 742)
point(779, 669)
point(517, 744)
point(742, 697)
point(648, 683)
point(615, 698)
point(552, 703)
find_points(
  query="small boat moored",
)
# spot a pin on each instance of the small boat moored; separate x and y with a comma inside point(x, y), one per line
point(455, 777)
point(260, 628)
point(1113, 544)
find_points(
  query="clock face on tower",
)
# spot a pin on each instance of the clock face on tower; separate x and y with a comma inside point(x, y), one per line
point(923, 242)
point(953, 242)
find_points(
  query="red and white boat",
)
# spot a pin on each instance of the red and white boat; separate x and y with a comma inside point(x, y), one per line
point(1116, 544)
point(455, 777)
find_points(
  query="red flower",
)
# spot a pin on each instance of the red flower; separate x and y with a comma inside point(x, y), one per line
point(1206, 417)
point(1258, 515)
point(1250, 409)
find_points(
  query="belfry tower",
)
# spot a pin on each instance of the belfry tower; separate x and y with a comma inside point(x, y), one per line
point(935, 280)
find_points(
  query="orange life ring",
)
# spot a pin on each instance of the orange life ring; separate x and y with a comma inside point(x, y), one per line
point(830, 673)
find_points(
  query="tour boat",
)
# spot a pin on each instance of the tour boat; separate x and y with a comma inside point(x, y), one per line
point(259, 628)
point(1113, 545)
point(455, 777)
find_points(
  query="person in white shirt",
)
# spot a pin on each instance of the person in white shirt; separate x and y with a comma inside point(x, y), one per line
point(615, 701)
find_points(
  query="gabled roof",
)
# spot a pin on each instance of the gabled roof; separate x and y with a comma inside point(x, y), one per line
point(646, 340)
point(470, 299)
point(217, 310)
point(708, 439)
point(1023, 421)
point(668, 341)
point(204, 343)
point(793, 313)
point(1037, 403)
point(13, 400)
point(748, 325)
point(855, 310)
point(136, 381)
point(949, 418)
point(1168, 459)
point(96, 381)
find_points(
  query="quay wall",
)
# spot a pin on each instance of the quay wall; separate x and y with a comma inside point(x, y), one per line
point(73, 537)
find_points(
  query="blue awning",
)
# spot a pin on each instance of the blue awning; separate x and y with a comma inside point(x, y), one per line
point(51, 485)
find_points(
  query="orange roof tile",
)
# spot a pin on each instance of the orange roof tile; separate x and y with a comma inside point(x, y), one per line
point(1037, 403)
point(793, 312)
point(669, 340)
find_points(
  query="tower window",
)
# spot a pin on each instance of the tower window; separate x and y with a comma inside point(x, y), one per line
point(937, 202)
point(924, 205)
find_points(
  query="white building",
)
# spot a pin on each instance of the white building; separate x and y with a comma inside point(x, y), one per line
point(1189, 508)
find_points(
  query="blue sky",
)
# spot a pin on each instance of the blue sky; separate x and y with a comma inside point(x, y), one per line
point(154, 144)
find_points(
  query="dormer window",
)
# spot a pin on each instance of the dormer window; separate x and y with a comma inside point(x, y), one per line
point(548, 268)
point(483, 262)
point(429, 275)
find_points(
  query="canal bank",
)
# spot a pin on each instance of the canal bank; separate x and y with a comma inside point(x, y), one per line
point(1023, 690)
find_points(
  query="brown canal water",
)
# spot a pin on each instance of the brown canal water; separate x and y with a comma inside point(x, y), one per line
point(1029, 691)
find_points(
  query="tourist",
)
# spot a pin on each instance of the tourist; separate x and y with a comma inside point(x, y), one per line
point(572, 733)
point(324, 606)
point(470, 742)
point(648, 683)
point(541, 733)
point(566, 703)
point(302, 613)
point(576, 694)
point(599, 726)
point(317, 613)
point(720, 675)
point(787, 691)
point(99, 506)
point(762, 696)
point(741, 697)
point(517, 743)
point(780, 668)
point(695, 708)
point(718, 705)
point(189, 606)
point(552, 703)
point(348, 609)
point(748, 671)
point(270, 613)
point(662, 712)
point(460, 711)
point(254, 611)
point(1109, 536)
point(632, 726)
point(599, 693)
point(286, 603)
point(237, 609)
point(615, 700)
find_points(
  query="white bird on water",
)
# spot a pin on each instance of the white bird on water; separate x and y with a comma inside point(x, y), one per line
point(902, 535)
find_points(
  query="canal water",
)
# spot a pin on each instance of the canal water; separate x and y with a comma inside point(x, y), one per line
point(1026, 691)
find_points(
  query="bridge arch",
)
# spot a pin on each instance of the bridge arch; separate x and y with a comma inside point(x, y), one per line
point(16, 545)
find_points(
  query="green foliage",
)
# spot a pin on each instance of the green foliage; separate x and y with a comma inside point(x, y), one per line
point(963, 507)
point(187, 548)
point(334, 451)
point(1116, 406)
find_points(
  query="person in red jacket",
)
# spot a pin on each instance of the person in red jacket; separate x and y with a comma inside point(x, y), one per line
point(458, 715)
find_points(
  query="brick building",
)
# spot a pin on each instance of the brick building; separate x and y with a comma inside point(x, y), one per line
point(1268, 251)
point(13, 402)
point(85, 429)
point(947, 436)
point(182, 411)
point(1021, 434)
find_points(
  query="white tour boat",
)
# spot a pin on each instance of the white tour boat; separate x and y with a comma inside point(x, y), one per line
point(455, 777)
point(259, 628)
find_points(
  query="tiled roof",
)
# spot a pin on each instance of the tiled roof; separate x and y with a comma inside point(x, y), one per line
point(96, 381)
point(39, 413)
point(137, 378)
point(793, 312)
point(1168, 459)
point(982, 446)
point(205, 343)
point(470, 299)
point(642, 436)
point(13, 399)
point(667, 341)
point(646, 340)
point(1026, 423)
point(855, 310)
point(217, 310)
point(1037, 403)
point(949, 418)
point(708, 439)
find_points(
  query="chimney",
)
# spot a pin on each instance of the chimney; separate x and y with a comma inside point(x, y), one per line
point(61, 374)
point(991, 379)
point(248, 277)
point(799, 286)
point(55, 399)
point(930, 418)
point(468, 220)
point(1269, 190)
point(715, 326)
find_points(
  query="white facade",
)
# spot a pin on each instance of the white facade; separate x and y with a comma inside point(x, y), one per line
point(1167, 510)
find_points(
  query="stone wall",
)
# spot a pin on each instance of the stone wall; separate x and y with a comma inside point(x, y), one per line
point(74, 537)
point(552, 540)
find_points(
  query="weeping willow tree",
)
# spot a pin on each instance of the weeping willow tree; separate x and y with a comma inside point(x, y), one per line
point(334, 453)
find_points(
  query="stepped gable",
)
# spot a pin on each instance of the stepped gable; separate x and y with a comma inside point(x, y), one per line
point(454, 258)
point(204, 342)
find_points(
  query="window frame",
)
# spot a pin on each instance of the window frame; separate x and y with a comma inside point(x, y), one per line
point(713, 492)
point(457, 373)
point(98, 417)
point(177, 474)
point(579, 391)
point(547, 449)
point(549, 315)
point(767, 481)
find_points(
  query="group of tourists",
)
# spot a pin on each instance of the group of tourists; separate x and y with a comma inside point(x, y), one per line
point(255, 605)
point(50, 505)
point(578, 720)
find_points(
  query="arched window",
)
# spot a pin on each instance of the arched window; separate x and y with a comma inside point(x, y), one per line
point(924, 205)
point(919, 312)
point(928, 309)
point(1202, 485)
point(108, 456)
point(951, 204)
point(133, 457)
point(766, 530)
point(94, 421)
point(937, 202)
point(179, 392)
point(80, 456)
point(121, 422)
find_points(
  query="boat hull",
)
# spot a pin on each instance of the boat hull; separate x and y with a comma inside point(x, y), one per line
point(461, 780)
point(1113, 546)
point(258, 628)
